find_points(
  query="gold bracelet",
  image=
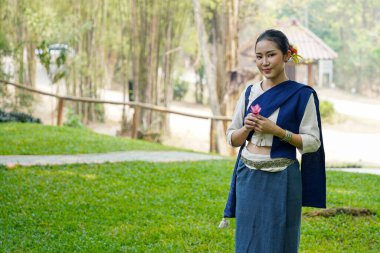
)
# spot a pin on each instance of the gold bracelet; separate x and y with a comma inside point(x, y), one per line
point(288, 136)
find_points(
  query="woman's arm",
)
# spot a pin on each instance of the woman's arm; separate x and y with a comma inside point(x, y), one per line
point(309, 129)
point(308, 138)
point(296, 139)
point(266, 126)
point(236, 133)
point(239, 136)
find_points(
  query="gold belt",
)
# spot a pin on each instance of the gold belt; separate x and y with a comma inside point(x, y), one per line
point(281, 162)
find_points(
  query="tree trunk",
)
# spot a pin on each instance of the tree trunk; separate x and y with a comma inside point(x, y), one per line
point(167, 79)
point(210, 76)
point(134, 42)
point(31, 47)
point(123, 31)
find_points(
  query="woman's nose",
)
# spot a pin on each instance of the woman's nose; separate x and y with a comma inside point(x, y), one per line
point(265, 61)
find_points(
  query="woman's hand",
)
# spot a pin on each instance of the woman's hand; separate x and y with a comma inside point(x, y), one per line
point(261, 125)
point(249, 123)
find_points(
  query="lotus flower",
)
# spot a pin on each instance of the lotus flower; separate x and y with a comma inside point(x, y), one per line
point(255, 109)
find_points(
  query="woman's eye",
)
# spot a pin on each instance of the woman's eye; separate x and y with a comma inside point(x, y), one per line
point(258, 57)
point(270, 55)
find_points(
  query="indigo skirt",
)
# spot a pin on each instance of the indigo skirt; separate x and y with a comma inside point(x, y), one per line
point(268, 210)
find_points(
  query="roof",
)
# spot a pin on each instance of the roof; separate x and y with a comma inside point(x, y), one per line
point(309, 45)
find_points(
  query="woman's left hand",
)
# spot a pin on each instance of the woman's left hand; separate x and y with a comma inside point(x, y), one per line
point(264, 125)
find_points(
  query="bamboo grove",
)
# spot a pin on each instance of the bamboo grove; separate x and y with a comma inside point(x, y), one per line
point(138, 46)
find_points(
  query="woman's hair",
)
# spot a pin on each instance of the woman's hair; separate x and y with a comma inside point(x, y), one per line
point(277, 37)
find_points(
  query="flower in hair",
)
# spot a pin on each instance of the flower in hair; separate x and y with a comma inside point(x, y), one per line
point(294, 54)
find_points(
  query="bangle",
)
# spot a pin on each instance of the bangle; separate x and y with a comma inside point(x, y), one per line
point(288, 136)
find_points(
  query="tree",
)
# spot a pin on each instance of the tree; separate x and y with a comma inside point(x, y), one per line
point(354, 34)
point(210, 75)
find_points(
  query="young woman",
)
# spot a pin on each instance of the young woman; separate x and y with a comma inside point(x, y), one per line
point(272, 119)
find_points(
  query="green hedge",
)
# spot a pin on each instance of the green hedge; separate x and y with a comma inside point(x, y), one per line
point(17, 117)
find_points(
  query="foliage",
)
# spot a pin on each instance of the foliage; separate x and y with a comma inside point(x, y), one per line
point(4, 44)
point(180, 88)
point(354, 34)
point(100, 112)
point(45, 56)
point(35, 139)
point(326, 110)
point(73, 119)
point(159, 207)
point(17, 117)
point(24, 101)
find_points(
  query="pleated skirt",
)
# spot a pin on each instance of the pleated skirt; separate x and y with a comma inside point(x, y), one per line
point(268, 210)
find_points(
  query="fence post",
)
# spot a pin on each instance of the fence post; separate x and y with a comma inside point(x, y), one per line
point(136, 121)
point(212, 139)
point(60, 111)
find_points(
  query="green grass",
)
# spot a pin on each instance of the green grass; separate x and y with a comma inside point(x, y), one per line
point(36, 139)
point(158, 207)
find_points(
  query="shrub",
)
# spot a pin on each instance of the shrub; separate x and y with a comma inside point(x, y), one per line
point(327, 110)
point(17, 117)
point(180, 89)
point(73, 120)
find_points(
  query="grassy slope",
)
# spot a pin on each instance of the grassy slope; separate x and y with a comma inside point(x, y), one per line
point(36, 139)
point(158, 207)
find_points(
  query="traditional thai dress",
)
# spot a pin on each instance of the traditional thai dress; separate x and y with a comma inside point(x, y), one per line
point(268, 191)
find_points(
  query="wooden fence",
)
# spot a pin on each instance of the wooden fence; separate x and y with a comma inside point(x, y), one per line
point(136, 105)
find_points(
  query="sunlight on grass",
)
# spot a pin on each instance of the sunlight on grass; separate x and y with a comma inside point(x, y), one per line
point(342, 191)
point(36, 139)
point(159, 207)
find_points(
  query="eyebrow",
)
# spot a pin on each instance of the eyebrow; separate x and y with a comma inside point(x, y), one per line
point(270, 51)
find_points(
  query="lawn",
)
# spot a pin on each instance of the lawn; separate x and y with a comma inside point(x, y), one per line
point(158, 207)
point(37, 139)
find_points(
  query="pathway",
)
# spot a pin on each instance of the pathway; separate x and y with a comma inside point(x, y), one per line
point(148, 156)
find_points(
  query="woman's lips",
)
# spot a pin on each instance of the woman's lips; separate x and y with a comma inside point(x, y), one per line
point(267, 70)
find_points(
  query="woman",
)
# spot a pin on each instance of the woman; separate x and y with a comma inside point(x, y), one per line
point(268, 188)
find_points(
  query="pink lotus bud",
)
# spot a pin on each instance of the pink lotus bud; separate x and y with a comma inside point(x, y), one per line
point(255, 109)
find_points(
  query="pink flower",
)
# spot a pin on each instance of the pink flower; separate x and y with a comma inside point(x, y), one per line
point(255, 109)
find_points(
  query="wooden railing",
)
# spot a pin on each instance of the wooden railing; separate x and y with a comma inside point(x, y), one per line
point(136, 105)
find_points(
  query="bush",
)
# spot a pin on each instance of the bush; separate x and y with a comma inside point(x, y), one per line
point(327, 110)
point(180, 89)
point(17, 117)
point(100, 112)
point(73, 120)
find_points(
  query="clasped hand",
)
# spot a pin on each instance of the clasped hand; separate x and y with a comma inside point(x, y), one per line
point(259, 124)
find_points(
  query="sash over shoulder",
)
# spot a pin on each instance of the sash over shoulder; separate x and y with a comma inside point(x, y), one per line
point(292, 98)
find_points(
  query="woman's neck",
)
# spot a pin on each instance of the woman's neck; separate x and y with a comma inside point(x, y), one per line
point(277, 80)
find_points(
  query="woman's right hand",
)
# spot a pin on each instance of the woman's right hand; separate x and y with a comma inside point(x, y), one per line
point(249, 124)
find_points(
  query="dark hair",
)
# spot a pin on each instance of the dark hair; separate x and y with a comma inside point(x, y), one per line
point(277, 37)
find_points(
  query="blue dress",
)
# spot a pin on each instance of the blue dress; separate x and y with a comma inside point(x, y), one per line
point(267, 205)
point(268, 210)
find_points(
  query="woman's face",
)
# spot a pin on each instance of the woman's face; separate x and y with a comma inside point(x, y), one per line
point(269, 59)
